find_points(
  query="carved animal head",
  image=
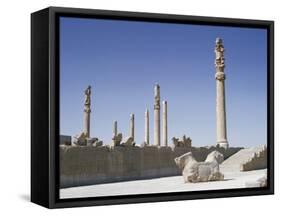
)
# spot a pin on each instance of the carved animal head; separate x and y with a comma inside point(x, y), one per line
point(184, 159)
point(215, 155)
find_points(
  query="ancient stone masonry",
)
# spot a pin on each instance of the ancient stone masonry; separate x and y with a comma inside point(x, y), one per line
point(84, 139)
point(117, 139)
point(157, 115)
point(194, 171)
point(185, 142)
point(220, 102)
point(87, 111)
point(257, 161)
point(115, 129)
point(146, 127)
point(132, 126)
point(91, 165)
point(165, 124)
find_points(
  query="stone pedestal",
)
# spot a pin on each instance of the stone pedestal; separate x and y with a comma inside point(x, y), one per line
point(220, 101)
point(157, 115)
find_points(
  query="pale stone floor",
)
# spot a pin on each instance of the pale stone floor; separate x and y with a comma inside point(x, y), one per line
point(161, 185)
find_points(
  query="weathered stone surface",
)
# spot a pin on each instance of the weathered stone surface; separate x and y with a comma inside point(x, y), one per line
point(84, 165)
point(194, 171)
point(128, 141)
point(215, 155)
point(165, 123)
point(132, 126)
point(220, 101)
point(87, 111)
point(97, 143)
point(90, 141)
point(146, 127)
point(185, 142)
point(157, 105)
point(257, 161)
point(117, 139)
point(80, 139)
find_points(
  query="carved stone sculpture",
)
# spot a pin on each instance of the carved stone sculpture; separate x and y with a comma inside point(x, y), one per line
point(87, 111)
point(215, 155)
point(194, 171)
point(117, 139)
point(80, 139)
point(128, 141)
point(91, 141)
point(185, 142)
point(97, 143)
point(220, 100)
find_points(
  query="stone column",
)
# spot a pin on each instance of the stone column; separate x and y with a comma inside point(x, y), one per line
point(157, 115)
point(115, 130)
point(220, 101)
point(87, 111)
point(132, 126)
point(146, 127)
point(165, 124)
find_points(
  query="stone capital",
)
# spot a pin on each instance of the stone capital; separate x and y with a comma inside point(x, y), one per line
point(220, 76)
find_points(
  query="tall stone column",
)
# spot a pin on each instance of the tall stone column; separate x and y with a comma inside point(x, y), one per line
point(115, 130)
point(220, 101)
point(146, 127)
point(165, 124)
point(157, 115)
point(87, 111)
point(132, 126)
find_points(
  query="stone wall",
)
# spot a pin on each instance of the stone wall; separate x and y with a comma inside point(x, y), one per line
point(85, 165)
point(257, 161)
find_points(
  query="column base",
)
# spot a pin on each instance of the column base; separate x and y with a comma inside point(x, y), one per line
point(223, 144)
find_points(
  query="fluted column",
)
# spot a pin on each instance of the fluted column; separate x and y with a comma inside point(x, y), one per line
point(165, 124)
point(220, 101)
point(157, 115)
point(132, 126)
point(146, 127)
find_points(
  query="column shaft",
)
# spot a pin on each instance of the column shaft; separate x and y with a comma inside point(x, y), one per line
point(132, 126)
point(146, 127)
point(220, 101)
point(115, 130)
point(165, 124)
point(157, 115)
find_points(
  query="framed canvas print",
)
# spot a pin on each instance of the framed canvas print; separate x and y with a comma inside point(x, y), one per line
point(139, 107)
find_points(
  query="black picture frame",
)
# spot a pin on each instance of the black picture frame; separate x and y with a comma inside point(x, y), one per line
point(45, 106)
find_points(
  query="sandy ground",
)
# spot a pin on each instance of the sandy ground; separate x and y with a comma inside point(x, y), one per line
point(161, 185)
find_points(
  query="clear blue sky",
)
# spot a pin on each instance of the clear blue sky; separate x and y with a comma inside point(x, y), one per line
point(123, 60)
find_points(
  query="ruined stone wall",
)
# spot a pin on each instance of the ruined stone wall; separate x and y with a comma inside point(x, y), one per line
point(85, 165)
point(257, 161)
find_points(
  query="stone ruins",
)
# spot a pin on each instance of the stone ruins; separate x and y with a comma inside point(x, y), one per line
point(257, 161)
point(185, 142)
point(194, 171)
point(87, 161)
point(220, 102)
point(84, 139)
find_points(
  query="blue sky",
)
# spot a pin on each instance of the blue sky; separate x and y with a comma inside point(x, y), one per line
point(122, 60)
